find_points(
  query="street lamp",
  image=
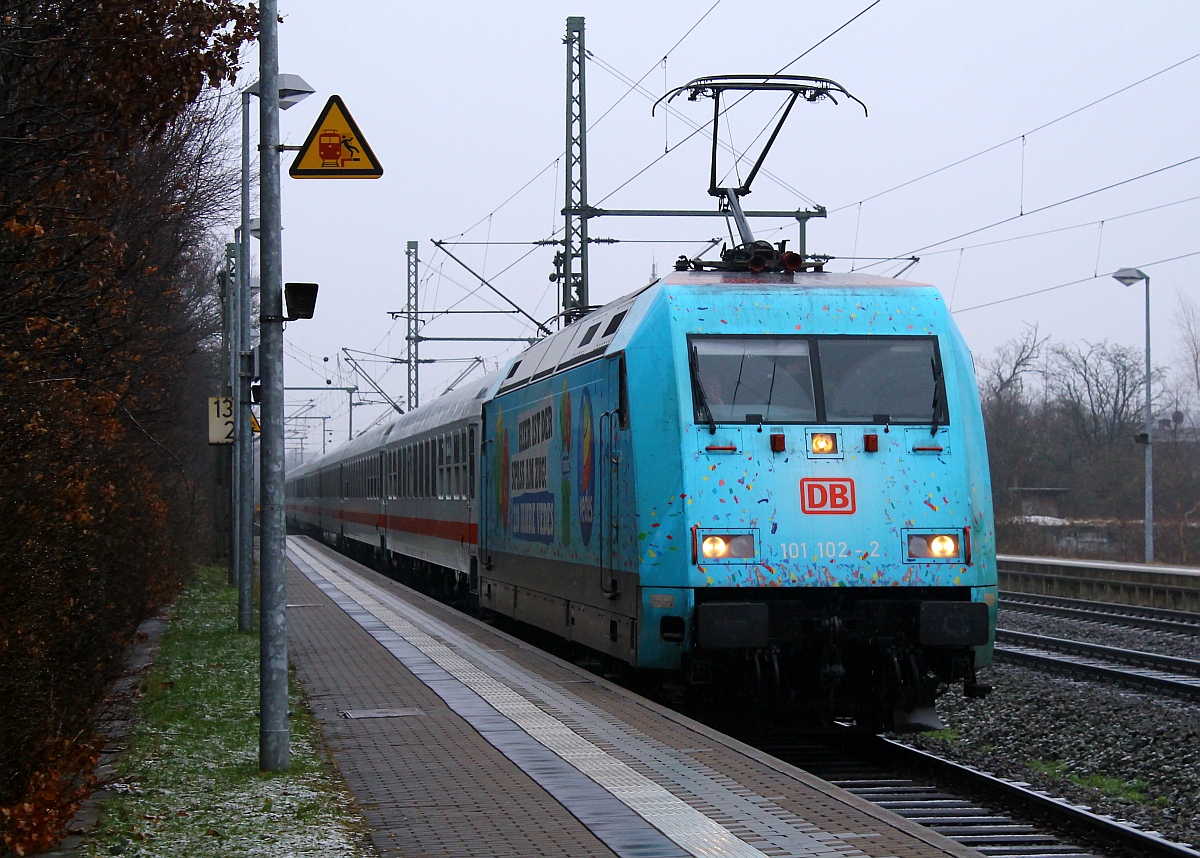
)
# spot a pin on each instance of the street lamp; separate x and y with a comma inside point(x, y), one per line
point(1129, 276)
point(292, 90)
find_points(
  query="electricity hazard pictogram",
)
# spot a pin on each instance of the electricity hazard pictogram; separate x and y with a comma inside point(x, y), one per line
point(335, 148)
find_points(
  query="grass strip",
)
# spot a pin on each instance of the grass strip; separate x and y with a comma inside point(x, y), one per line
point(189, 782)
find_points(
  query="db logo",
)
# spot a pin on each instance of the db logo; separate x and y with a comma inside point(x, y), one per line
point(827, 496)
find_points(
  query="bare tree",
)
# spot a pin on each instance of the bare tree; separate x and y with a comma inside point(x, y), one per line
point(1099, 388)
point(1187, 319)
point(1003, 375)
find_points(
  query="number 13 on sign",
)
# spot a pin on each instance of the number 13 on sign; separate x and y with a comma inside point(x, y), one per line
point(220, 420)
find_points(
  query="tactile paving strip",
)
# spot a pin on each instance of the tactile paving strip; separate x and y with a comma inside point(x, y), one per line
point(428, 785)
point(701, 810)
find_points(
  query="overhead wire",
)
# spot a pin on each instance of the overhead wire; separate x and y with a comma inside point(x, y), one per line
point(539, 173)
point(1049, 206)
point(1040, 233)
point(1017, 137)
point(1071, 283)
point(738, 101)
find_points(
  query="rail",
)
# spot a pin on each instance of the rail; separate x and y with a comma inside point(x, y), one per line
point(1129, 616)
point(1177, 676)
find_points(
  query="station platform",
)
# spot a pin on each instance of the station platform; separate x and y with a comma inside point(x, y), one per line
point(459, 740)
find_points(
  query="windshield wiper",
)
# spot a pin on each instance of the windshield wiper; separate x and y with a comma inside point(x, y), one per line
point(939, 388)
point(698, 392)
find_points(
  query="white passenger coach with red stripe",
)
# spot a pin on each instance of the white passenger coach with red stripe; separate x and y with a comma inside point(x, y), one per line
point(407, 487)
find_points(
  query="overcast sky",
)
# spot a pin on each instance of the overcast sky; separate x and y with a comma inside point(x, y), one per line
point(462, 103)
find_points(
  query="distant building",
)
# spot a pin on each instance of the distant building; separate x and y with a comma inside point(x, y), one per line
point(1038, 501)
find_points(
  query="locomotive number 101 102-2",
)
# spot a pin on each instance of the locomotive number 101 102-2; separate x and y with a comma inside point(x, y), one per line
point(826, 550)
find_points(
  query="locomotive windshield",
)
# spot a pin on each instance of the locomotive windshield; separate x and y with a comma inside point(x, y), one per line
point(753, 379)
point(763, 379)
point(866, 379)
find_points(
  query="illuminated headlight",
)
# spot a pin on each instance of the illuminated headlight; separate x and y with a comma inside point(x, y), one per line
point(933, 546)
point(824, 442)
point(725, 546)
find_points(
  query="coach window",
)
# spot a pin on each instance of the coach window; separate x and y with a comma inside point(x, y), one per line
point(465, 490)
point(471, 461)
point(460, 456)
point(443, 467)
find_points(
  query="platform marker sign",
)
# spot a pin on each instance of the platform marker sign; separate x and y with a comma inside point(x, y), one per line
point(220, 420)
point(335, 148)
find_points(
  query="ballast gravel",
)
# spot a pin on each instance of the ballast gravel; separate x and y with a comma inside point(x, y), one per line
point(1084, 741)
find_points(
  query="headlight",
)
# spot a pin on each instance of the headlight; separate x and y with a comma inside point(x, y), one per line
point(727, 546)
point(943, 546)
point(932, 546)
point(824, 442)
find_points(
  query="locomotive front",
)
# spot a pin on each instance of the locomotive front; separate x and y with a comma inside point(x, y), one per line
point(828, 545)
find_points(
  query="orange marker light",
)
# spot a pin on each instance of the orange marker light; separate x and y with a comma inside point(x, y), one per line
point(824, 443)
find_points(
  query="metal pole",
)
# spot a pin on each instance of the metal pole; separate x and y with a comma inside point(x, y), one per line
point(413, 281)
point(233, 270)
point(245, 446)
point(228, 463)
point(1149, 445)
point(273, 751)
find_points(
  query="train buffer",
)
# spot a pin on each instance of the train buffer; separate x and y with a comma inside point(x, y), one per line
point(459, 740)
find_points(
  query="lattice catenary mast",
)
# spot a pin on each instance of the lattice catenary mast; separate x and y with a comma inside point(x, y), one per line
point(573, 261)
point(412, 325)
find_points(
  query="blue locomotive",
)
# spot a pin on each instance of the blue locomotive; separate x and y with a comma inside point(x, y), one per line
point(761, 486)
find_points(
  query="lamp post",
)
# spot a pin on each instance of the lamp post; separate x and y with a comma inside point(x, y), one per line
point(292, 90)
point(273, 733)
point(1129, 276)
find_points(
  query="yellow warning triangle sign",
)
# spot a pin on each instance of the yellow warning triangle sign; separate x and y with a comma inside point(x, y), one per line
point(335, 148)
point(254, 425)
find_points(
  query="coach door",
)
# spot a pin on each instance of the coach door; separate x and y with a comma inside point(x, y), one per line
point(607, 459)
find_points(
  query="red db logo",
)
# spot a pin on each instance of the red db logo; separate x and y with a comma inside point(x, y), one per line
point(827, 496)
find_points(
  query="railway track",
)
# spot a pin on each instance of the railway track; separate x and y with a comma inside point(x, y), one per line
point(994, 816)
point(1156, 619)
point(1177, 676)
